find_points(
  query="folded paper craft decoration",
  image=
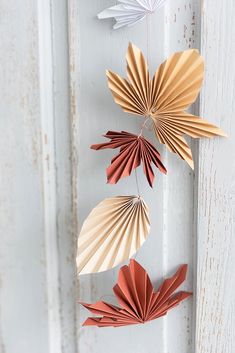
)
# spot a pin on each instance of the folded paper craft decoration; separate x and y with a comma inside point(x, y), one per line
point(164, 99)
point(112, 233)
point(138, 301)
point(134, 150)
point(129, 12)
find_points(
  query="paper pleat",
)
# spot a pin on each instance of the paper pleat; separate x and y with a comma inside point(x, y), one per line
point(134, 150)
point(174, 87)
point(138, 301)
point(112, 233)
point(129, 12)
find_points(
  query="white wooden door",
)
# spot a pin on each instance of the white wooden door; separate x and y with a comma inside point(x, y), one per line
point(54, 104)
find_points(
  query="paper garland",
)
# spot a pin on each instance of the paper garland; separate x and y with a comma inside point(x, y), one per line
point(164, 99)
point(112, 233)
point(129, 12)
point(134, 150)
point(138, 301)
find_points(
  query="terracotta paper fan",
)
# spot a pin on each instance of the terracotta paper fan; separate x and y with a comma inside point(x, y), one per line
point(129, 12)
point(138, 301)
point(174, 87)
point(134, 150)
point(112, 233)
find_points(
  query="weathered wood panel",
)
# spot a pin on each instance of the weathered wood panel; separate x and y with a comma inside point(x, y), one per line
point(37, 298)
point(173, 28)
point(55, 103)
point(23, 304)
point(216, 180)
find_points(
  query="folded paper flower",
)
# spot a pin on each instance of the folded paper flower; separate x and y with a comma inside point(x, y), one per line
point(164, 99)
point(129, 12)
point(138, 301)
point(112, 233)
point(134, 150)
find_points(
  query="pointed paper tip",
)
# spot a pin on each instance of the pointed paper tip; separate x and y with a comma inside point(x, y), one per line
point(182, 272)
point(184, 268)
point(132, 46)
point(164, 171)
point(102, 15)
point(110, 181)
point(222, 133)
point(88, 322)
point(191, 163)
point(82, 303)
point(82, 270)
point(185, 265)
point(195, 50)
point(93, 147)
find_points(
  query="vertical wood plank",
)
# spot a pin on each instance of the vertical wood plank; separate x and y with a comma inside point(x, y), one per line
point(47, 115)
point(23, 297)
point(183, 18)
point(37, 253)
point(66, 170)
point(216, 179)
point(175, 27)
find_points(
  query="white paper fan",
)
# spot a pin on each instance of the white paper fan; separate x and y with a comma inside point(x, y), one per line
point(129, 12)
point(112, 233)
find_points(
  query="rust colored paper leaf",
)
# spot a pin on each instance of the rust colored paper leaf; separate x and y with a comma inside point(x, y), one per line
point(112, 233)
point(138, 301)
point(134, 150)
point(174, 87)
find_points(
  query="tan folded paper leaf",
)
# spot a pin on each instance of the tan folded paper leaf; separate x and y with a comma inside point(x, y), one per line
point(112, 233)
point(164, 99)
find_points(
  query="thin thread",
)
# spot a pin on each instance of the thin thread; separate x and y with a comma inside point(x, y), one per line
point(137, 183)
point(144, 125)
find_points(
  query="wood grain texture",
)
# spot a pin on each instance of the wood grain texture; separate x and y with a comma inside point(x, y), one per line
point(22, 251)
point(37, 294)
point(55, 104)
point(215, 330)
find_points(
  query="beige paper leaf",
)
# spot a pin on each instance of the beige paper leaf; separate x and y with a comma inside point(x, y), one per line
point(174, 87)
point(112, 233)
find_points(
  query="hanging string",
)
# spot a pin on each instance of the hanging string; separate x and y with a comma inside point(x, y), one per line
point(144, 125)
point(137, 183)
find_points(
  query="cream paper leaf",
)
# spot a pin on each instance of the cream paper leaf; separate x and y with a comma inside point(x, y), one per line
point(112, 233)
point(129, 12)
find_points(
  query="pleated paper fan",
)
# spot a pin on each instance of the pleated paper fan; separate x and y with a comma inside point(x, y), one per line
point(138, 301)
point(164, 99)
point(134, 150)
point(129, 12)
point(112, 233)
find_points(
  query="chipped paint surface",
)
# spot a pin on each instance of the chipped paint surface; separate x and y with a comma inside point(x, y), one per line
point(51, 178)
point(215, 330)
point(37, 295)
